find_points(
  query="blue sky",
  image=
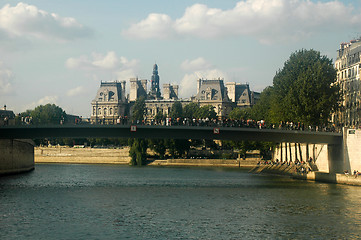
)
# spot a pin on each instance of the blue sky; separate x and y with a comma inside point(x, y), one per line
point(59, 51)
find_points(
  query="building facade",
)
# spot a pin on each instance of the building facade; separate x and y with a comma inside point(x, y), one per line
point(348, 66)
point(111, 102)
point(7, 117)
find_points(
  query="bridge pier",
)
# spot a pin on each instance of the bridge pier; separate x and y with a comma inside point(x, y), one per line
point(335, 158)
point(16, 156)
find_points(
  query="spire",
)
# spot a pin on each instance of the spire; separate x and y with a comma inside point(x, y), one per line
point(155, 90)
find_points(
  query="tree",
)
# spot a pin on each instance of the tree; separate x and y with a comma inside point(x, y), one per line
point(47, 114)
point(138, 110)
point(206, 111)
point(176, 110)
point(158, 146)
point(303, 89)
point(177, 147)
point(138, 152)
point(261, 110)
point(159, 117)
point(238, 114)
point(190, 110)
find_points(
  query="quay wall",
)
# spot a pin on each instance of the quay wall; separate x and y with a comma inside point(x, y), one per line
point(16, 156)
point(61, 154)
point(248, 163)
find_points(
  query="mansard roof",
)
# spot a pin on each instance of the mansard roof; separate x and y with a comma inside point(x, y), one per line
point(110, 92)
point(212, 90)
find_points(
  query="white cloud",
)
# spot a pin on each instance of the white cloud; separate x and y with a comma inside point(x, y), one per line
point(6, 79)
point(195, 65)
point(47, 99)
point(157, 26)
point(266, 20)
point(75, 91)
point(189, 81)
point(28, 21)
point(104, 66)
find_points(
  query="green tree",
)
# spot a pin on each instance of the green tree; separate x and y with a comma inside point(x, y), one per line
point(159, 117)
point(176, 110)
point(190, 110)
point(261, 110)
point(138, 110)
point(158, 146)
point(48, 114)
point(303, 89)
point(177, 147)
point(206, 111)
point(238, 114)
point(138, 151)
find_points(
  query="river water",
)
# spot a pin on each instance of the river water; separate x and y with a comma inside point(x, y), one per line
point(122, 202)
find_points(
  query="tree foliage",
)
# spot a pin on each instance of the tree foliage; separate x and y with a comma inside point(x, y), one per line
point(138, 110)
point(176, 110)
point(303, 89)
point(138, 151)
point(45, 114)
point(190, 110)
point(261, 110)
point(238, 114)
point(206, 111)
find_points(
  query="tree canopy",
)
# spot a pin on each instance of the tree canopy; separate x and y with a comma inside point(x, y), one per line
point(190, 109)
point(176, 110)
point(138, 109)
point(206, 111)
point(46, 114)
point(303, 89)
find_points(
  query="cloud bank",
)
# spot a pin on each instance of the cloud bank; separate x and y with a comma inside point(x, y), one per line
point(266, 20)
point(195, 69)
point(108, 65)
point(6, 79)
point(28, 21)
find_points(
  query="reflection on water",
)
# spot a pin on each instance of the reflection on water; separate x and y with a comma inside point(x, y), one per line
point(121, 202)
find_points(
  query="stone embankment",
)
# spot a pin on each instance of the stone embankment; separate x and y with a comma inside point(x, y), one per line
point(235, 163)
point(82, 155)
point(312, 176)
point(17, 155)
point(121, 156)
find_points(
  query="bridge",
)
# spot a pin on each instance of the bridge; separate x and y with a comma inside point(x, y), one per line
point(168, 132)
point(334, 141)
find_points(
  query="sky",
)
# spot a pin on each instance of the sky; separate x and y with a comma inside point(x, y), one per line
point(60, 51)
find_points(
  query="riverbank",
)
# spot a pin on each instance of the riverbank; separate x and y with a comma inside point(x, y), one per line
point(70, 155)
point(86, 155)
point(233, 163)
point(318, 176)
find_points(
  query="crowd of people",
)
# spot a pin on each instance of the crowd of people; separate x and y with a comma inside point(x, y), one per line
point(301, 167)
point(227, 122)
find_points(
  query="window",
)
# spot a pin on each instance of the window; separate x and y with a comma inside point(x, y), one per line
point(110, 111)
point(105, 111)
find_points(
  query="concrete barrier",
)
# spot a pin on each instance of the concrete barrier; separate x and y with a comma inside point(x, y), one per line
point(16, 156)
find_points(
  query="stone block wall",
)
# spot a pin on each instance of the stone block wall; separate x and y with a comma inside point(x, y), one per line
point(16, 156)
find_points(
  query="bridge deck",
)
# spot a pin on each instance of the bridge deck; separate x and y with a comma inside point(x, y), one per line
point(170, 132)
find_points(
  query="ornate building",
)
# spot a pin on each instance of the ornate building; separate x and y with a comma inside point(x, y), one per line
point(7, 117)
point(348, 66)
point(213, 92)
point(111, 102)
